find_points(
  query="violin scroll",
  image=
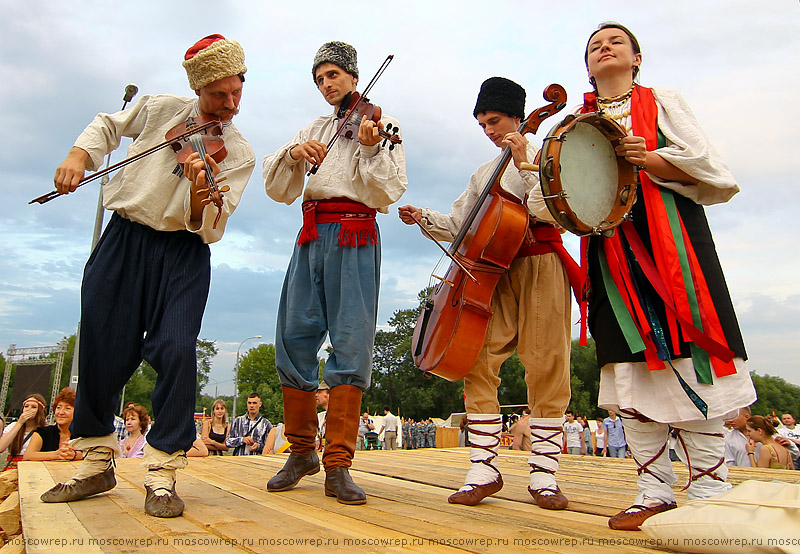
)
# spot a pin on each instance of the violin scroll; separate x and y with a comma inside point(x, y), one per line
point(557, 96)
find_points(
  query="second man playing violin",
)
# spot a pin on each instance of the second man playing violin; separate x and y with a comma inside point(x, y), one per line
point(331, 285)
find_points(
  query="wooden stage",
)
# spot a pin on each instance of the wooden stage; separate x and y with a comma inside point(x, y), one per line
point(229, 510)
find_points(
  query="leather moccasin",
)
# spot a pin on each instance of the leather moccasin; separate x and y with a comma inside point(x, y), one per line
point(82, 488)
point(549, 499)
point(632, 518)
point(164, 505)
point(476, 493)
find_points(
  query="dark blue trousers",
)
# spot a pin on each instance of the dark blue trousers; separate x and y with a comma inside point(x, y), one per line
point(142, 297)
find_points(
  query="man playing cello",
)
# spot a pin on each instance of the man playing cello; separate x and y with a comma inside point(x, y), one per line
point(530, 313)
point(146, 283)
point(337, 251)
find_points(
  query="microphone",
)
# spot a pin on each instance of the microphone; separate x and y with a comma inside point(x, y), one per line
point(130, 92)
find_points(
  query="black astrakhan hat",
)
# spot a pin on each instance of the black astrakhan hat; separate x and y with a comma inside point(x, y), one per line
point(503, 95)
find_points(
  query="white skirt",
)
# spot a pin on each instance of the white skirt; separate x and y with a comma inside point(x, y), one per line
point(659, 396)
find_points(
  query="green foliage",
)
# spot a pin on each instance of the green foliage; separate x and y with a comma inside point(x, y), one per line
point(584, 379)
point(206, 350)
point(512, 389)
point(140, 387)
point(205, 402)
point(257, 373)
point(399, 384)
point(775, 394)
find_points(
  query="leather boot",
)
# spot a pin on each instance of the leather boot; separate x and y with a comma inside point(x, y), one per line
point(300, 427)
point(344, 407)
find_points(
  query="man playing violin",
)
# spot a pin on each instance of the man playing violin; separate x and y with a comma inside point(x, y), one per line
point(530, 312)
point(331, 285)
point(146, 283)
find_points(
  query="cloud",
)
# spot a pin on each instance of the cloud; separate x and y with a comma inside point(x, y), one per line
point(64, 63)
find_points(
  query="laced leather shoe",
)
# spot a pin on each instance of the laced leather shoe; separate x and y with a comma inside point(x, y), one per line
point(338, 483)
point(81, 488)
point(632, 518)
point(549, 499)
point(476, 493)
point(295, 468)
point(165, 505)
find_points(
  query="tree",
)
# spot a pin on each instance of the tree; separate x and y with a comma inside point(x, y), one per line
point(142, 383)
point(584, 379)
point(257, 373)
point(512, 389)
point(399, 384)
point(775, 394)
point(206, 350)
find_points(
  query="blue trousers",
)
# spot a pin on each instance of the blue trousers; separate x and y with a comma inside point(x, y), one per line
point(142, 297)
point(617, 451)
point(328, 289)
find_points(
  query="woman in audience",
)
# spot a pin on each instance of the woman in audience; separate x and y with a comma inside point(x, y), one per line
point(276, 442)
point(587, 435)
point(18, 434)
point(215, 430)
point(51, 442)
point(137, 421)
point(771, 454)
point(599, 438)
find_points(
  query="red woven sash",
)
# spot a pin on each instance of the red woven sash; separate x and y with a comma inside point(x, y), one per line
point(358, 221)
point(544, 238)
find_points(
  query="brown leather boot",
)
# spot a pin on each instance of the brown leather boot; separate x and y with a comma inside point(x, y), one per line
point(341, 430)
point(300, 428)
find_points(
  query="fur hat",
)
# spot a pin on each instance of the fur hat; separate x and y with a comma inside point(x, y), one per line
point(499, 94)
point(337, 53)
point(213, 58)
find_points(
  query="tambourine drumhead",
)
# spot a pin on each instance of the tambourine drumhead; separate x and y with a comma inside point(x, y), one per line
point(587, 188)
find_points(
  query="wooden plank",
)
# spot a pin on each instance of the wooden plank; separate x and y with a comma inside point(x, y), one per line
point(116, 519)
point(228, 508)
point(48, 527)
point(424, 509)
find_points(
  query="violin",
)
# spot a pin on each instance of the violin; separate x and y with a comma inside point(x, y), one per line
point(452, 326)
point(179, 139)
point(355, 106)
point(207, 141)
point(352, 110)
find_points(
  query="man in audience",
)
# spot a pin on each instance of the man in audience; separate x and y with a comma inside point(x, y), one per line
point(791, 433)
point(390, 428)
point(615, 438)
point(249, 431)
point(572, 435)
point(522, 432)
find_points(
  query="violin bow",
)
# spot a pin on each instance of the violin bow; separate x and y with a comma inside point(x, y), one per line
point(43, 199)
point(446, 253)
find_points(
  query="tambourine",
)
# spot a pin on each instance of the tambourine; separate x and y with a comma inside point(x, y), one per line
point(586, 186)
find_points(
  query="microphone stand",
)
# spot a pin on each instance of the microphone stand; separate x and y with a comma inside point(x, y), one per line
point(130, 92)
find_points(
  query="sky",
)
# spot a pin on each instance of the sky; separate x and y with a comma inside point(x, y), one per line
point(735, 62)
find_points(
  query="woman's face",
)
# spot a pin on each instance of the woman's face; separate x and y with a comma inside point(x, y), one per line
point(31, 404)
point(757, 435)
point(132, 423)
point(220, 410)
point(64, 413)
point(610, 52)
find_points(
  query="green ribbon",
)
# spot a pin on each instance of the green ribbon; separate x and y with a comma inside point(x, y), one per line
point(624, 318)
point(702, 362)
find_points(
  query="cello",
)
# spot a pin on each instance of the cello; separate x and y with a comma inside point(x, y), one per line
point(452, 326)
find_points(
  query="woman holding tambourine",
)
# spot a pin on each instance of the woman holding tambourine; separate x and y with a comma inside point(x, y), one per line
point(668, 342)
